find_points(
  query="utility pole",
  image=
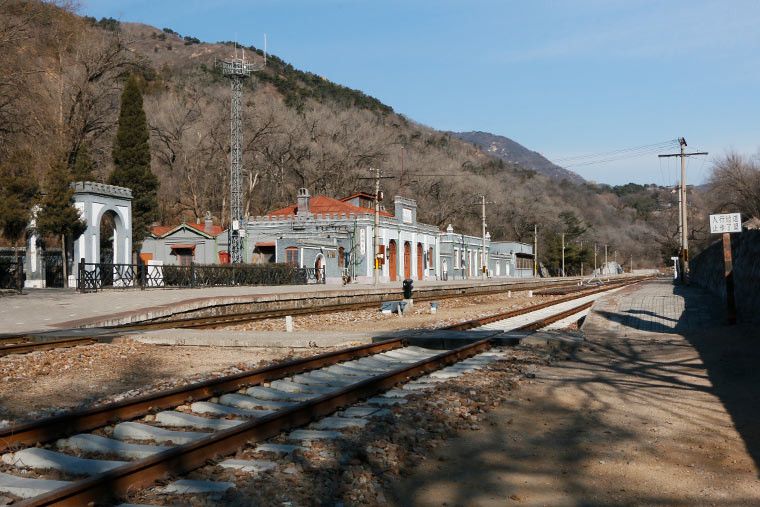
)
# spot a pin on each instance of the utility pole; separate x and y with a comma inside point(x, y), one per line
point(594, 258)
point(377, 177)
point(563, 254)
point(683, 209)
point(535, 250)
point(483, 263)
point(606, 266)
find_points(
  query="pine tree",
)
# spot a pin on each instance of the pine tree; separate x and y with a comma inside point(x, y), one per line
point(83, 165)
point(18, 190)
point(131, 158)
point(57, 216)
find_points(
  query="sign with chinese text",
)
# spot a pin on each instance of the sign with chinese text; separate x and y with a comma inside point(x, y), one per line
point(729, 222)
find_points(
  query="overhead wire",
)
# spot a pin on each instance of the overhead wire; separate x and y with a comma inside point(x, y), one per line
point(662, 144)
point(611, 156)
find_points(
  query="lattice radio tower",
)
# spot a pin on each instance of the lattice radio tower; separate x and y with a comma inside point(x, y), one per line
point(236, 69)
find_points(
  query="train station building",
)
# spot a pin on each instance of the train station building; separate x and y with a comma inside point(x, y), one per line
point(337, 235)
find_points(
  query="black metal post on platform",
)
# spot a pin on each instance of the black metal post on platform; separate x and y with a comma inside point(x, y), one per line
point(80, 276)
point(19, 274)
point(142, 272)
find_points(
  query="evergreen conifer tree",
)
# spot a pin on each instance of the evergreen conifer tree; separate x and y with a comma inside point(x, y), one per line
point(131, 158)
point(18, 190)
point(57, 216)
point(83, 165)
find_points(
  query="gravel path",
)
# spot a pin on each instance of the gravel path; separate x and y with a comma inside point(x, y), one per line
point(648, 419)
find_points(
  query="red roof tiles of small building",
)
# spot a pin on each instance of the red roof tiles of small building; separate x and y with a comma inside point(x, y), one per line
point(216, 230)
point(161, 230)
point(321, 205)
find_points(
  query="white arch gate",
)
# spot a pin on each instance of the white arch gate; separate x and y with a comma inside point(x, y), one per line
point(93, 200)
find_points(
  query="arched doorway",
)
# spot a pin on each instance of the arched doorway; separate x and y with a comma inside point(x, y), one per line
point(407, 260)
point(392, 260)
point(318, 264)
point(107, 243)
point(444, 269)
point(420, 261)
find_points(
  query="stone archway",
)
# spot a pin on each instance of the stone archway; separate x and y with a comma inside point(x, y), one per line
point(94, 201)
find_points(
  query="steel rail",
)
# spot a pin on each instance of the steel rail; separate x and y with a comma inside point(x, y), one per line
point(471, 324)
point(21, 348)
point(554, 318)
point(89, 419)
point(185, 458)
point(235, 318)
point(29, 345)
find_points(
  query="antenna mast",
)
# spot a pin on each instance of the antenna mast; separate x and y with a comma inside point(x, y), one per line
point(236, 69)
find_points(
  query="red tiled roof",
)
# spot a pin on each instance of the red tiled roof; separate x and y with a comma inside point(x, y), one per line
point(321, 205)
point(359, 194)
point(183, 247)
point(162, 230)
point(216, 230)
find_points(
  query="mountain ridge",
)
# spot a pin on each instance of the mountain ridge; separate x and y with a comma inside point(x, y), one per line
point(514, 153)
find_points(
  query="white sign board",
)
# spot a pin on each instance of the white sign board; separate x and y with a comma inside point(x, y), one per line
point(730, 222)
point(407, 216)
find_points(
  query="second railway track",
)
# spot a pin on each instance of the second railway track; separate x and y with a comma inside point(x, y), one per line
point(263, 403)
point(24, 343)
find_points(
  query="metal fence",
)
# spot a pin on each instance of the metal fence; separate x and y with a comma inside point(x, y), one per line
point(98, 276)
point(10, 276)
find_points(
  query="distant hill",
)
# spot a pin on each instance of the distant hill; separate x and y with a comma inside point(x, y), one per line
point(517, 154)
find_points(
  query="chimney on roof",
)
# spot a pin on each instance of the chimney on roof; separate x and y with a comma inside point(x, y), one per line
point(303, 202)
point(208, 225)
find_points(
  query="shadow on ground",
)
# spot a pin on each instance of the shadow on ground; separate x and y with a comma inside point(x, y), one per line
point(573, 452)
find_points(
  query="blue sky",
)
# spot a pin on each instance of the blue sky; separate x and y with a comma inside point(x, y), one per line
point(563, 78)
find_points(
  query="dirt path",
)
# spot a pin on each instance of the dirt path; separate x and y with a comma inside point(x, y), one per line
point(643, 419)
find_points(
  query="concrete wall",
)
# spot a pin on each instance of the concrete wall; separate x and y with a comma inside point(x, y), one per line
point(708, 271)
point(206, 250)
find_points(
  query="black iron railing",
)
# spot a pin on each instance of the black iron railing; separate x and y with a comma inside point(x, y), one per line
point(98, 276)
point(12, 273)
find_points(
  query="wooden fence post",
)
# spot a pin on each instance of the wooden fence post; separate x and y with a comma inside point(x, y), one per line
point(729, 267)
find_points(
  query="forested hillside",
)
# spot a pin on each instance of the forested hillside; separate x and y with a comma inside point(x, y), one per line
point(60, 88)
point(517, 154)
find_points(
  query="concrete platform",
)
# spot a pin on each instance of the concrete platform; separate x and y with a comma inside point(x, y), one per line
point(228, 338)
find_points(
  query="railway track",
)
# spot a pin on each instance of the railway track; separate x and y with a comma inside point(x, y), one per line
point(262, 403)
point(24, 343)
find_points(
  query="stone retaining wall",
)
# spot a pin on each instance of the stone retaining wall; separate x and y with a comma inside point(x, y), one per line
point(708, 272)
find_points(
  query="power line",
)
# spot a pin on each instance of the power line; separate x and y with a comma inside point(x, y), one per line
point(620, 151)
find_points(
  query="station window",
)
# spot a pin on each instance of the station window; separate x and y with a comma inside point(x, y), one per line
point(291, 256)
point(456, 258)
point(341, 257)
